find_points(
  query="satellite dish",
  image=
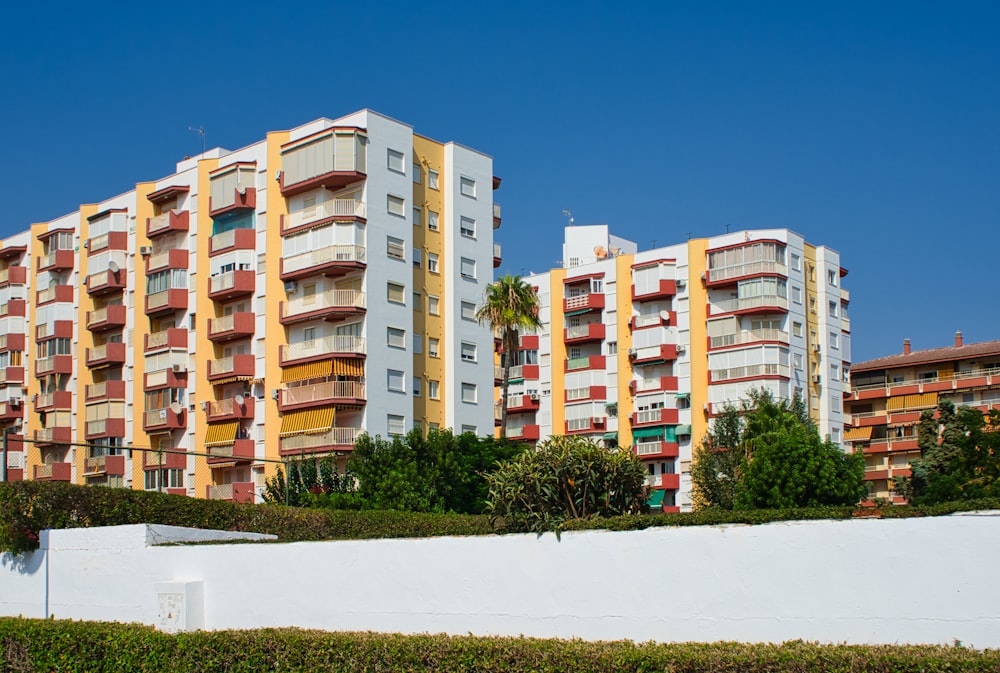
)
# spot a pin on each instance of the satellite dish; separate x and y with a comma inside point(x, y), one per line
point(600, 252)
point(239, 399)
point(176, 408)
point(665, 316)
point(113, 267)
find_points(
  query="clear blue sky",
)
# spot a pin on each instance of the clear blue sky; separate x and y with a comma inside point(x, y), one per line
point(873, 128)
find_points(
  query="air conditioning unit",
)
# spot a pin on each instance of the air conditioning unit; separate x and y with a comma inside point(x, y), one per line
point(177, 368)
point(817, 378)
point(533, 397)
point(86, 244)
point(703, 277)
point(145, 250)
point(816, 348)
point(681, 283)
point(681, 348)
point(597, 420)
point(632, 351)
point(242, 189)
point(291, 286)
point(15, 402)
point(704, 407)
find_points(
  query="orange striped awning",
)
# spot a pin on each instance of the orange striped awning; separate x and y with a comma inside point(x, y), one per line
point(231, 379)
point(858, 434)
point(348, 367)
point(307, 370)
point(917, 401)
point(307, 421)
point(221, 433)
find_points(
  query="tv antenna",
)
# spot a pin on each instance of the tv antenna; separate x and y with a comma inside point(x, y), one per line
point(200, 131)
point(569, 215)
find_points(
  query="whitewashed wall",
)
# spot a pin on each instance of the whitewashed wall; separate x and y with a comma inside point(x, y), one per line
point(861, 581)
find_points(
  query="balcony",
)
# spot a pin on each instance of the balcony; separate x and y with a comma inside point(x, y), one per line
point(234, 326)
point(174, 337)
point(12, 376)
point(661, 319)
point(56, 293)
point(14, 342)
point(588, 393)
point(517, 404)
point(583, 333)
point(664, 289)
point(56, 260)
point(585, 425)
point(334, 210)
point(583, 303)
point(53, 472)
point(164, 420)
point(497, 257)
point(107, 318)
point(768, 303)
point(350, 393)
point(656, 449)
point(172, 220)
point(526, 433)
point(334, 439)
point(110, 465)
point(232, 284)
point(56, 435)
point(13, 275)
point(652, 385)
point(729, 275)
point(230, 199)
point(60, 399)
point(15, 308)
point(236, 450)
point(105, 355)
point(167, 301)
point(54, 364)
point(652, 355)
point(892, 445)
point(169, 459)
point(113, 240)
point(240, 491)
point(106, 282)
point(173, 377)
point(105, 390)
point(105, 427)
point(232, 409)
point(497, 219)
point(654, 417)
point(749, 337)
point(332, 158)
point(323, 348)
point(168, 259)
point(668, 482)
point(749, 372)
point(234, 239)
point(329, 305)
point(585, 362)
point(11, 410)
point(234, 365)
point(333, 260)
point(522, 372)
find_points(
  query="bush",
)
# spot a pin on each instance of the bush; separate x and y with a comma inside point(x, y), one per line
point(48, 645)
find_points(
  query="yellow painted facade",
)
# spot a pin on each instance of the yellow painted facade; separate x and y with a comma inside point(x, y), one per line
point(698, 308)
point(623, 308)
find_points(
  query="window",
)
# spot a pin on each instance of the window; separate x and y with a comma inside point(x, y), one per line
point(395, 381)
point(469, 428)
point(432, 220)
point(416, 386)
point(468, 311)
point(796, 262)
point(432, 179)
point(468, 268)
point(309, 293)
point(469, 352)
point(395, 247)
point(395, 426)
point(416, 173)
point(418, 258)
point(417, 212)
point(467, 186)
point(418, 301)
point(395, 205)
point(834, 340)
point(468, 227)
point(612, 348)
point(395, 293)
point(432, 389)
point(797, 361)
point(394, 161)
point(797, 294)
point(418, 344)
point(834, 372)
point(433, 305)
point(309, 336)
point(797, 329)
point(432, 262)
point(831, 277)
point(469, 393)
point(432, 347)
point(395, 337)
point(812, 304)
point(833, 309)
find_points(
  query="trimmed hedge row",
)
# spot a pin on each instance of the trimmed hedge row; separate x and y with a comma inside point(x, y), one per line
point(28, 507)
point(96, 647)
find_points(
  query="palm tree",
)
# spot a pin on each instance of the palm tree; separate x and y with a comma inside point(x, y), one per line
point(510, 306)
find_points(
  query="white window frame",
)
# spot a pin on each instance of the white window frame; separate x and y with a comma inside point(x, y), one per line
point(468, 311)
point(467, 227)
point(470, 393)
point(433, 179)
point(469, 352)
point(467, 186)
point(395, 380)
point(395, 161)
point(395, 205)
point(432, 262)
point(468, 268)
point(395, 337)
point(395, 289)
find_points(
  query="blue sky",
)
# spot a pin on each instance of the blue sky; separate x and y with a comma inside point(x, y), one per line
point(873, 128)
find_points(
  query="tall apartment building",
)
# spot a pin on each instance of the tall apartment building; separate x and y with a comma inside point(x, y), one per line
point(268, 302)
point(888, 394)
point(643, 349)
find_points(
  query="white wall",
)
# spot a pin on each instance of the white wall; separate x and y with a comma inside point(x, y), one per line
point(857, 581)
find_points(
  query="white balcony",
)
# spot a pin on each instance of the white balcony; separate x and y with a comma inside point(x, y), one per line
point(320, 392)
point(324, 301)
point(749, 371)
point(331, 437)
point(327, 345)
point(749, 336)
point(331, 254)
point(327, 210)
point(747, 269)
point(746, 303)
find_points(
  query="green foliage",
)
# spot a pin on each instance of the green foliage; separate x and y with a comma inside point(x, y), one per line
point(31, 646)
point(767, 454)
point(565, 478)
point(307, 476)
point(439, 472)
point(960, 456)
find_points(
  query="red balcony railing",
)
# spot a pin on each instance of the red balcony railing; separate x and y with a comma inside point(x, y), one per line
point(234, 326)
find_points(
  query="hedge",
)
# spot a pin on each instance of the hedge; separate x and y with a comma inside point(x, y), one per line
point(28, 507)
point(97, 647)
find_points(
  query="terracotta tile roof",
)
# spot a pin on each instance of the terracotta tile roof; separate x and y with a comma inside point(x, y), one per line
point(981, 350)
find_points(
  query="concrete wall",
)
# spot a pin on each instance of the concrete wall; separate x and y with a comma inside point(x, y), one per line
point(860, 581)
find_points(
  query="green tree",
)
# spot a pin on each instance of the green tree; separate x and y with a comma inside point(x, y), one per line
point(960, 456)
point(565, 478)
point(767, 453)
point(510, 305)
point(306, 476)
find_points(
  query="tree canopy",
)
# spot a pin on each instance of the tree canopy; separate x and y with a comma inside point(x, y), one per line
point(767, 453)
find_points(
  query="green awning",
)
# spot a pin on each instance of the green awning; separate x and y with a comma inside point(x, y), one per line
point(648, 363)
point(684, 430)
point(656, 499)
point(647, 432)
point(578, 312)
point(611, 435)
point(683, 396)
